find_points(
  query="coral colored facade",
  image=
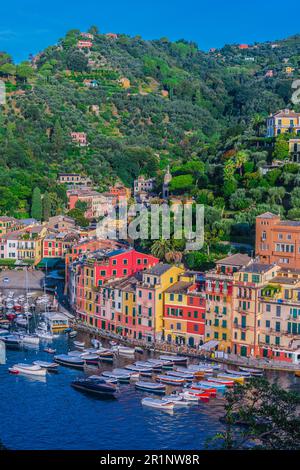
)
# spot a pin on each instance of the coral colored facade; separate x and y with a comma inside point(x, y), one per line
point(277, 241)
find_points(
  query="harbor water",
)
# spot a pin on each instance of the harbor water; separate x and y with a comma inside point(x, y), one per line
point(48, 413)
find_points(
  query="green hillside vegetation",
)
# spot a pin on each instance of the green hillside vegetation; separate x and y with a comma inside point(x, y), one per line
point(201, 113)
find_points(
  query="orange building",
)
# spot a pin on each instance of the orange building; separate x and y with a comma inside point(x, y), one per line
point(277, 241)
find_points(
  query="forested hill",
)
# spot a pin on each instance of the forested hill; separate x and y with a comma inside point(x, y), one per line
point(143, 104)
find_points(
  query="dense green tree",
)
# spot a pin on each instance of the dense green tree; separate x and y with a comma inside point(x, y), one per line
point(46, 206)
point(36, 204)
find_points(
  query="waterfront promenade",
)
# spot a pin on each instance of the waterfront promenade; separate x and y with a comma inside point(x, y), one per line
point(163, 347)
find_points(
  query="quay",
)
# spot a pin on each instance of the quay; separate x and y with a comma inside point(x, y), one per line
point(16, 279)
point(163, 347)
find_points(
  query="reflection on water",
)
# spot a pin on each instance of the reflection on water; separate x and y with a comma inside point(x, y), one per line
point(50, 414)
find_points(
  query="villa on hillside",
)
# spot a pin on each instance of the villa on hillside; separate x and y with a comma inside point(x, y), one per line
point(283, 121)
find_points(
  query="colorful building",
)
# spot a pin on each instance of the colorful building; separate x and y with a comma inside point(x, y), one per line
point(277, 241)
point(246, 311)
point(279, 337)
point(219, 300)
point(79, 138)
point(283, 121)
point(184, 311)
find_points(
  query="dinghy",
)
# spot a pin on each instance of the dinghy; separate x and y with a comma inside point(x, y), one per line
point(168, 380)
point(122, 378)
point(79, 344)
point(49, 366)
point(69, 361)
point(215, 380)
point(158, 404)
point(237, 373)
point(29, 369)
point(177, 400)
point(174, 359)
point(91, 359)
point(235, 378)
point(183, 375)
point(150, 387)
point(254, 372)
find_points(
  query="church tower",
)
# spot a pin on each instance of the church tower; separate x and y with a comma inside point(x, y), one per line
point(165, 188)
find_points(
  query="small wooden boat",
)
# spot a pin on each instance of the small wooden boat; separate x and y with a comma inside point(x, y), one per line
point(215, 380)
point(145, 371)
point(183, 375)
point(168, 380)
point(79, 344)
point(254, 372)
point(177, 400)
point(125, 351)
point(235, 378)
point(200, 369)
point(91, 359)
point(238, 373)
point(204, 387)
point(158, 404)
point(205, 384)
point(174, 359)
point(150, 387)
point(49, 366)
point(29, 369)
point(123, 378)
point(196, 395)
point(95, 385)
point(191, 397)
point(69, 361)
point(133, 375)
point(50, 350)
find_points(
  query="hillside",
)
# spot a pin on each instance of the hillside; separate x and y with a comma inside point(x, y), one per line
point(143, 105)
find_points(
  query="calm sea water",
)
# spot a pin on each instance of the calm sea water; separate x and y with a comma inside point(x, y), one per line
point(50, 414)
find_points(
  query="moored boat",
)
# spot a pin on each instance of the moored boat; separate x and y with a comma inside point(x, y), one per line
point(158, 404)
point(29, 369)
point(196, 395)
point(215, 380)
point(95, 385)
point(235, 378)
point(202, 386)
point(183, 375)
point(50, 350)
point(122, 378)
point(254, 372)
point(168, 380)
point(238, 373)
point(145, 371)
point(70, 361)
point(150, 387)
point(50, 366)
point(178, 400)
point(174, 359)
point(89, 358)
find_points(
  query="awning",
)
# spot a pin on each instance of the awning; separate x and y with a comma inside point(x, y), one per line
point(48, 263)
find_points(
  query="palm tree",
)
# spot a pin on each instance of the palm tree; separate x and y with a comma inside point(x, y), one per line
point(160, 248)
point(240, 159)
point(257, 121)
point(173, 257)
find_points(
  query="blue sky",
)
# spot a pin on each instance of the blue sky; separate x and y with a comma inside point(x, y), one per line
point(29, 26)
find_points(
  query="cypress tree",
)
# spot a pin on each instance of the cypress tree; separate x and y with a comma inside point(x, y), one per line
point(46, 206)
point(36, 204)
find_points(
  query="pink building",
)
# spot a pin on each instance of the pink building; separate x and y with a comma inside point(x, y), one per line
point(84, 44)
point(79, 138)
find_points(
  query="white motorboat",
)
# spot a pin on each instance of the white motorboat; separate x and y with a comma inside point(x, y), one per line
point(29, 369)
point(44, 334)
point(174, 359)
point(158, 404)
point(178, 400)
point(125, 351)
point(28, 338)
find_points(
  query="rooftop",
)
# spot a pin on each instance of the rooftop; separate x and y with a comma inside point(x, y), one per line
point(267, 215)
point(258, 268)
point(179, 287)
point(235, 260)
point(158, 269)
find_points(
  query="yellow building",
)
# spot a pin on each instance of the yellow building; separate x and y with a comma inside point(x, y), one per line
point(150, 299)
point(283, 121)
